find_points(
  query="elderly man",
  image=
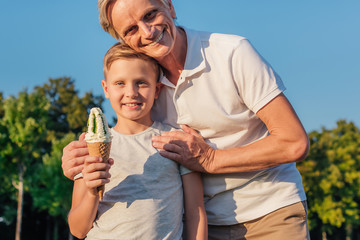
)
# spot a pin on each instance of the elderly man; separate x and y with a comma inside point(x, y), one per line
point(239, 129)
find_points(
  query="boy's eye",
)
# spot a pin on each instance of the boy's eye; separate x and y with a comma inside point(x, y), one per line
point(119, 83)
point(142, 83)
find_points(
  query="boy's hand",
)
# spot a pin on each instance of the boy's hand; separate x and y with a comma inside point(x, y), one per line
point(95, 173)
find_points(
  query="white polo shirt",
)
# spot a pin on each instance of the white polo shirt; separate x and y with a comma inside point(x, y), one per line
point(223, 84)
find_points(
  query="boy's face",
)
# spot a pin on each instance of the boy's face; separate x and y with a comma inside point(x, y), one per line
point(131, 87)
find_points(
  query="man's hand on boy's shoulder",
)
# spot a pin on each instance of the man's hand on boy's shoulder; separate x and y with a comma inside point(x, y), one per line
point(186, 147)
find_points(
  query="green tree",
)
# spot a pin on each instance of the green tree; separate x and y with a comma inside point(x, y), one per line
point(68, 111)
point(1, 105)
point(51, 191)
point(7, 191)
point(25, 119)
point(34, 128)
point(331, 176)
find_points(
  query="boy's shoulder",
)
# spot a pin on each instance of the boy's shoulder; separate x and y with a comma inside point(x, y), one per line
point(157, 128)
point(163, 127)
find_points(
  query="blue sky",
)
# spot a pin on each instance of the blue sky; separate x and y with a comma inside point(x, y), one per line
point(313, 45)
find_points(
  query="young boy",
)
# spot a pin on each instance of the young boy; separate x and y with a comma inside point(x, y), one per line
point(145, 196)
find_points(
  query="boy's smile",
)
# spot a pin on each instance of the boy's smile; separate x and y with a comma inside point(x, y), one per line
point(131, 85)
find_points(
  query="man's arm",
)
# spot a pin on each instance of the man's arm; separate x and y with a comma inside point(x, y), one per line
point(73, 157)
point(85, 199)
point(195, 215)
point(286, 143)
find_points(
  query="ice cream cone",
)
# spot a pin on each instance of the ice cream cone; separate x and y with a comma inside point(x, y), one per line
point(98, 138)
point(100, 149)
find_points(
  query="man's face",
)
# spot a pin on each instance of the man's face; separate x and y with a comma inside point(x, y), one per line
point(147, 26)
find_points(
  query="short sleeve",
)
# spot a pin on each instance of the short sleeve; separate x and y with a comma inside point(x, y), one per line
point(256, 80)
point(184, 170)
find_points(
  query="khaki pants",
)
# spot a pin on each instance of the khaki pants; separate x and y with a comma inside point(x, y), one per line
point(287, 223)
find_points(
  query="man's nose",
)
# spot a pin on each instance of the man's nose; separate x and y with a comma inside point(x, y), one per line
point(146, 29)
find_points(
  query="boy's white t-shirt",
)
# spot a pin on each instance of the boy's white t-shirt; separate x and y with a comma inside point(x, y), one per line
point(223, 84)
point(144, 198)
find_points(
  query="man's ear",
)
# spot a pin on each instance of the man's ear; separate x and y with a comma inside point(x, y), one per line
point(172, 9)
point(104, 85)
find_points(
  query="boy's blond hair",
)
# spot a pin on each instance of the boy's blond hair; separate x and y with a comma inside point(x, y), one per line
point(105, 19)
point(122, 51)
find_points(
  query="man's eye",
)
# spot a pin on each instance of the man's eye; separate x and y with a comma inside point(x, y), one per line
point(150, 15)
point(130, 30)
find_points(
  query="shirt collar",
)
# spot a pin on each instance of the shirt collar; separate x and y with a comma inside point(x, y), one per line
point(195, 59)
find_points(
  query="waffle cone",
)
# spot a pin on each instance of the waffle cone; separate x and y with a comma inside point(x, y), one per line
point(100, 149)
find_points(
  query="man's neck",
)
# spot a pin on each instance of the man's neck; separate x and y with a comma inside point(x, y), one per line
point(174, 62)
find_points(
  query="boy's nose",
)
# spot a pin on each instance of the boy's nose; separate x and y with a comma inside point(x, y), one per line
point(131, 91)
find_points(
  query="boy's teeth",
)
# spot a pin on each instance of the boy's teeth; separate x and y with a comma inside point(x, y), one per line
point(131, 104)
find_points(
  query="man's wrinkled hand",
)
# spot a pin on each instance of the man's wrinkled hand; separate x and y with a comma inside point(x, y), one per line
point(73, 157)
point(187, 148)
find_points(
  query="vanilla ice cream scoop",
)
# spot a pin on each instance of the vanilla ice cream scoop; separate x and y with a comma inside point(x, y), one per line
point(97, 129)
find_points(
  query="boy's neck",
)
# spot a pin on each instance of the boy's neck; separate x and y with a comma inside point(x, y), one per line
point(130, 127)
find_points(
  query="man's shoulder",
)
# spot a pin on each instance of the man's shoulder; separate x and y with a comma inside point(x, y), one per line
point(216, 37)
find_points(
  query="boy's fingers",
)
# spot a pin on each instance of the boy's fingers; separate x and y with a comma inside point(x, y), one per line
point(93, 159)
point(96, 183)
point(94, 164)
point(111, 161)
point(92, 176)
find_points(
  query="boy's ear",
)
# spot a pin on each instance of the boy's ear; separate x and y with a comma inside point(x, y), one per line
point(104, 85)
point(159, 86)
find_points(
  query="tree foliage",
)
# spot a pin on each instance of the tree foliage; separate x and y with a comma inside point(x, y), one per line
point(51, 191)
point(34, 128)
point(68, 111)
point(23, 133)
point(25, 118)
point(331, 176)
